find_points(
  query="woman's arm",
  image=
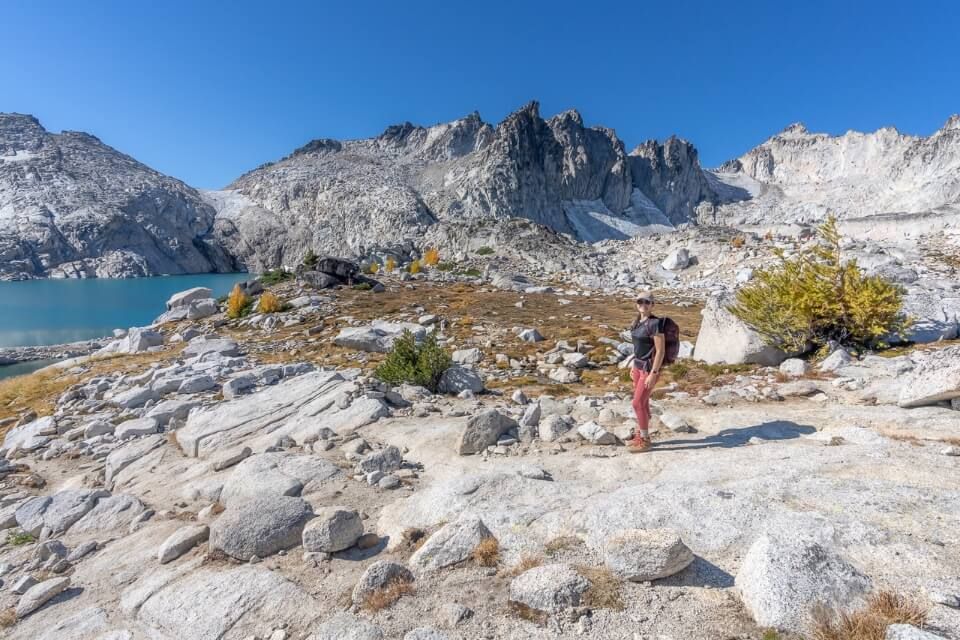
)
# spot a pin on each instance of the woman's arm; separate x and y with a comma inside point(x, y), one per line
point(660, 350)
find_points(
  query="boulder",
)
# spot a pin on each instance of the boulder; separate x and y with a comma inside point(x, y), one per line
point(138, 340)
point(836, 360)
point(640, 555)
point(168, 410)
point(595, 434)
point(452, 544)
point(136, 427)
point(530, 335)
point(260, 526)
point(935, 316)
point(467, 356)
point(239, 385)
point(197, 384)
point(204, 344)
point(275, 473)
point(936, 378)
point(782, 577)
point(563, 375)
point(457, 379)
point(58, 512)
point(554, 426)
point(332, 529)
point(199, 309)
point(678, 260)
point(345, 626)
point(377, 576)
point(135, 397)
point(794, 367)
point(483, 430)
point(97, 428)
point(385, 460)
point(724, 338)
point(39, 594)
point(181, 541)
point(112, 514)
point(184, 298)
point(549, 588)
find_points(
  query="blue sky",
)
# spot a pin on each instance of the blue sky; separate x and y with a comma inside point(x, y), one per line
point(207, 90)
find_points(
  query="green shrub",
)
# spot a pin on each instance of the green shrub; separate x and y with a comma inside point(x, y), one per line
point(363, 286)
point(484, 251)
point(20, 538)
point(806, 302)
point(274, 276)
point(310, 259)
point(473, 273)
point(445, 266)
point(409, 362)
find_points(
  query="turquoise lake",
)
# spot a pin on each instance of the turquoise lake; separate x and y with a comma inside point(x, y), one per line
point(42, 312)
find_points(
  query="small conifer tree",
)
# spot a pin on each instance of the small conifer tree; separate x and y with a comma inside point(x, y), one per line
point(390, 264)
point(431, 257)
point(415, 266)
point(238, 302)
point(310, 258)
point(816, 298)
point(269, 303)
point(420, 364)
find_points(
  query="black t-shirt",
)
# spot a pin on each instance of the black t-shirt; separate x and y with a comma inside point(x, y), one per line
point(644, 348)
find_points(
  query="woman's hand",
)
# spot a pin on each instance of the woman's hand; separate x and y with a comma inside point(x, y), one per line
point(651, 380)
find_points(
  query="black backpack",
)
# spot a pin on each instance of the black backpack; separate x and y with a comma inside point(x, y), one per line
point(671, 336)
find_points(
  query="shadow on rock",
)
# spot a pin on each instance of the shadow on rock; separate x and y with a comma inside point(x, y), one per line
point(700, 573)
point(728, 438)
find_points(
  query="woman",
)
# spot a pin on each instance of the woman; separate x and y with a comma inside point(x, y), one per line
point(648, 352)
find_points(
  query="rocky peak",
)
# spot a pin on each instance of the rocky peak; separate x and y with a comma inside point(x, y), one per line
point(318, 146)
point(796, 129)
point(20, 132)
point(952, 123)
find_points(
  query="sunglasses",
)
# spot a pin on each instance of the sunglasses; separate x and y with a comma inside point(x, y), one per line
point(644, 301)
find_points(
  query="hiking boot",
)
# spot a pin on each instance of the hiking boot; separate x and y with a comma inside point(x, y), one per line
point(639, 445)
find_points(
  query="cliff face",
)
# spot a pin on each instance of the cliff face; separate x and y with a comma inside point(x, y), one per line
point(345, 197)
point(71, 206)
point(798, 176)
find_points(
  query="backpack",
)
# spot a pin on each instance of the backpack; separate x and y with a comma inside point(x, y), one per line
point(671, 336)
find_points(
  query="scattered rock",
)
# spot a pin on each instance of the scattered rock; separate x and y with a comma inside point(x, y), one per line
point(794, 367)
point(377, 576)
point(563, 375)
point(909, 632)
point(39, 594)
point(452, 544)
point(260, 526)
point(136, 427)
point(458, 378)
point(344, 626)
point(227, 459)
point(332, 529)
point(549, 588)
point(483, 430)
point(530, 335)
point(181, 541)
point(724, 338)
point(385, 460)
point(934, 379)
point(595, 434)
point(641, 555)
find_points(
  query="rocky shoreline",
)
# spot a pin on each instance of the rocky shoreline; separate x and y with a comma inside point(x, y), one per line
point(15, 355)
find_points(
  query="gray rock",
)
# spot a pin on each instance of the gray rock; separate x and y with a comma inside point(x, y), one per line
point(23, 584)
point(333, 529)
point(782, 577)
point(136, 427)
point(201, 345)
point(227, 459)
point(483, 430)
point(277, 473)
point(123, 456)
point(112, 514)
point(563, 375)
point(935, 316)
point(836, 360)
point(794, 367)
point(678, 260)
point(457, 379)
point(798, 388)
point(199, 309)
point(344, 626)
point(723, 338)
point(554, 426)
point(909, 632)
point(675, 422)
point(377, 576)
point(452, 614)
point(181, 541)
point(936, 378)
point(388, 482)
point(135, 397)
point(219, 602)
point(530, 335)
point(452, 544)
point(467, 356)
point(238, 385)
point(640, 555)
point(184, 298)
point(549, 588)
point(385, 460)
point(260, 526)
point(197, 384)
point(39, 594)
point(595, 434)
point(97, 428)
point(81, 551)
point(139, 340)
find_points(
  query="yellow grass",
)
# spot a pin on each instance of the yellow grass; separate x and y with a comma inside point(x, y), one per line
point(871, 621)
point(526, 563)
point(431, 257)
point(269, 303)
point(604, 591)
point(487, 553)
point(387, 596)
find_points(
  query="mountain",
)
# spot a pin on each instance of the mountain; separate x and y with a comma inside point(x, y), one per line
point(798, 176)
point(351, 196)
point(71, 206)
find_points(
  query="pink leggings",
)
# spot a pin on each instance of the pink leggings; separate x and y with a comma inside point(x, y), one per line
point(641, 398)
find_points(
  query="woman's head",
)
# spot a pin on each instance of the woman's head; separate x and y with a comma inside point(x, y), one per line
point(644, 302)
